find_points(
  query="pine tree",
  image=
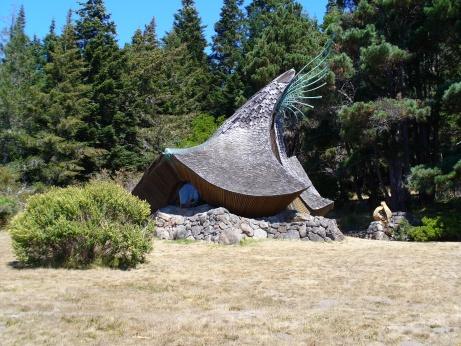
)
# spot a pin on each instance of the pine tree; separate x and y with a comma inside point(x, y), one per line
point(150, 34)
point(112, 130)
point(63, 152)
point(18, 74)
point(49, 42)
point(189, 29)
point(227, 56)
point(188, 67)
point(185, 80)
point(280, 37)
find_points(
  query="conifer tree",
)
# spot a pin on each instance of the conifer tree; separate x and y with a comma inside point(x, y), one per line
point(63, 153)
point(150, 34)
point(280, 37)
point(49, 42)
point(17, 76)
point(189, 29)
point(188, 68)
point(227, 56)
point(111, 130)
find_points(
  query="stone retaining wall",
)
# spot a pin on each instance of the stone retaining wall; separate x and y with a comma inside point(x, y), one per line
point(220, 226)
point(378, 231)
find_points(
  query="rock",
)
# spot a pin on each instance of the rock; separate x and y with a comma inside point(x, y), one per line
point(302, 230)
point(324, 222)
point(162, 233)
point(230, 236)
point(376, 231)
point(302, 217)
point(320, 232)
point(181, 232)
point(259, 234)
point(380, 236)
point(315, 237)
point(263, 225)
point(178, 219)
point(291, 234)
point(223, 218)
point(271, 230)
point(246, 228)
point(282, 229)
point(195, 231)
point(222, 225)
point(218, 211)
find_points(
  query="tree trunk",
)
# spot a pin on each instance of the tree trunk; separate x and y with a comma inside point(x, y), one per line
point(398, 191)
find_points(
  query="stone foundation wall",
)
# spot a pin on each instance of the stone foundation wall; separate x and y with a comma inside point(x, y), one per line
point(378, 231)
point(220, 226)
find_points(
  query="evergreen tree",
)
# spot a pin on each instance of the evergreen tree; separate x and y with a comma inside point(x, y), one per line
point(18, 75)
point(280, 37)
point(189, 29)
point(111, 129)
point(150, 34)
point(49, 42)
point(401, 64)
point(227, 57)
point(62, 152)
point(188, 67)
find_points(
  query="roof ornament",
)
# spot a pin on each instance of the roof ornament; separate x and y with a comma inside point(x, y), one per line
point(299, 92)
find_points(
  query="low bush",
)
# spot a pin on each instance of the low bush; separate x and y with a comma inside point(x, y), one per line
point(99, 223)
point(8, 207)
point(430, 230)
point(442, 227)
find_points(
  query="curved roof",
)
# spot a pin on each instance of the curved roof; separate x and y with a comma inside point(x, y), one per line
point(310, 196)
point(239, 156)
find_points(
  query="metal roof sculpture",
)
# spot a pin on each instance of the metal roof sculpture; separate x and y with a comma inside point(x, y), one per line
point(244, 166)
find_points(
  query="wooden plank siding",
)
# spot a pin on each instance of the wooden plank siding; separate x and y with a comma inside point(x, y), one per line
point(240, 204)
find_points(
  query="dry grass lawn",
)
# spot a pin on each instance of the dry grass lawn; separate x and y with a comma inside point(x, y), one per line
point(272, 292)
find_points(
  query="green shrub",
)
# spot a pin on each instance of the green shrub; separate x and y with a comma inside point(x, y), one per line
point(74, 227)
point(430, 230)
point(442, 227)
point(8, 207)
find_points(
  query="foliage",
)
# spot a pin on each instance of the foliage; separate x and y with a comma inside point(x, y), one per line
point(430, 230)
point(422, 179)
point(280, 37)
point(188, 27)
point(125, 178)
point(77, 226)
point(227, 58)
point(441, 227)
point(203, 127)
point(8, 207)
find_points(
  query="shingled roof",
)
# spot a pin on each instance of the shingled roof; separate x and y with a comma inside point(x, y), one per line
point(243, 166)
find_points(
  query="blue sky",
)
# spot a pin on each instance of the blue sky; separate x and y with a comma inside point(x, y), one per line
point(128, 15)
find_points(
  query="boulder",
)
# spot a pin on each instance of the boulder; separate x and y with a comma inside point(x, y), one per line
point(259, 234)
point(230, 236)
point(246, 228)
point(291, 234)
